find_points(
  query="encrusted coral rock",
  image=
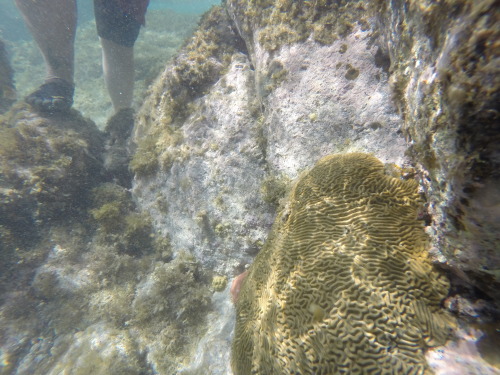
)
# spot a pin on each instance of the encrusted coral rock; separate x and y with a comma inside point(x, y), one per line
point(447, 85)
point(344, 283)
point(48, 165)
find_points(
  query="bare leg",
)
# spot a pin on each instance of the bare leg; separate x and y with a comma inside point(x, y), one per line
point(53, 26)
point(118, 68)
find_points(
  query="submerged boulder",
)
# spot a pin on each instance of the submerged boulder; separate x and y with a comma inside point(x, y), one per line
point(48, 167)
point(444, 75)
point(259, 93)
point(289, 82)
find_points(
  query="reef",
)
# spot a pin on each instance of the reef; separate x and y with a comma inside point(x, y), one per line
point(48, 166)
point(344, 283)
point(304, 79)
point(98, 278)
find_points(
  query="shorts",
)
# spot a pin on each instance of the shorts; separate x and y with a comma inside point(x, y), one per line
point(116, 24)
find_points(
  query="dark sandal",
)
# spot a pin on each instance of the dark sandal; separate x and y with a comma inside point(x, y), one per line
point(53, 96)
point(119, 126)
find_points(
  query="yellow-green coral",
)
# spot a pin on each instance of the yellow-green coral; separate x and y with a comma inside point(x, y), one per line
point(344, 283)
point(219, 283)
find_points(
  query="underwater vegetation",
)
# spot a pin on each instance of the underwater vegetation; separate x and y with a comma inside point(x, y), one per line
point(96, 279)
point(199, 64)
point(287, 21)
point(274, 188)
point(76, 253)
point(344, 283)
point(47, 167)
point(114, 213)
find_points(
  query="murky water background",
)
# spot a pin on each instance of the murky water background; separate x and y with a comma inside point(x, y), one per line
point(168, 23)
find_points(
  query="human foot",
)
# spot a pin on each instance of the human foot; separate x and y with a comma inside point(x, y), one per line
point(117, 157)
point(53, 96)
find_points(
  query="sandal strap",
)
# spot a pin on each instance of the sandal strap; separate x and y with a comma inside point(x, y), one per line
point(55, 95)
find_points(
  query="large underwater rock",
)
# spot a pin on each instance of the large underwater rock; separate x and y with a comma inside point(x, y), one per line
point(249, 105)
point(444, 74)
point(7, 89)
point(224, 130)
point(48, 166)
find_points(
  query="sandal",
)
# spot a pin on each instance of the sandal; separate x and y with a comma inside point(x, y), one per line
point(53, 96)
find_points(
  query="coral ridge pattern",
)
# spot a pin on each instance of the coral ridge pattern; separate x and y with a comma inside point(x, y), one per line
point(344, 283)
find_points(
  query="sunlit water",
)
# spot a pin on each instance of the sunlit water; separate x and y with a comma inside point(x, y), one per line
point(168, 23)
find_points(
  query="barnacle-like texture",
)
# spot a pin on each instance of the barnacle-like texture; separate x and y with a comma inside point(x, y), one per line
point(344, 284)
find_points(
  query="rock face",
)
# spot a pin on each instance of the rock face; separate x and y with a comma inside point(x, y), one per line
point(343, 280)
point(48, 165)
point(263, 121)
point(293, 82)
point(260, 97)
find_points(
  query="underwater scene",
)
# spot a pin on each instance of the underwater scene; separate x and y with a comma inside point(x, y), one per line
point(236, 187)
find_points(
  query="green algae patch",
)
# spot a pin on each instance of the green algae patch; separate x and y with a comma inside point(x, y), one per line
point(118, 223)
point(282, 22)
point(344, 283)
point(145, 159)
point(274, 188)
point(111, 204)
point(219, 283)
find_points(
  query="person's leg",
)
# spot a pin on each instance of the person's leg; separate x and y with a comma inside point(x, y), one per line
point(118, 25)
point(53, 26)
point(118, 69)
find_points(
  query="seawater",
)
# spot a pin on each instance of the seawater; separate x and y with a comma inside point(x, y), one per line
point(12, 27)
point(183, 6)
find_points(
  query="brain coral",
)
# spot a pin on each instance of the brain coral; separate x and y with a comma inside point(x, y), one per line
point(343, 284)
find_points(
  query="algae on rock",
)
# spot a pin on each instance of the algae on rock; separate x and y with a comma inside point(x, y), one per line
point(287, 21)
point(444, 73)
point(344, 283)
point(48, 166)
point(197, 67)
